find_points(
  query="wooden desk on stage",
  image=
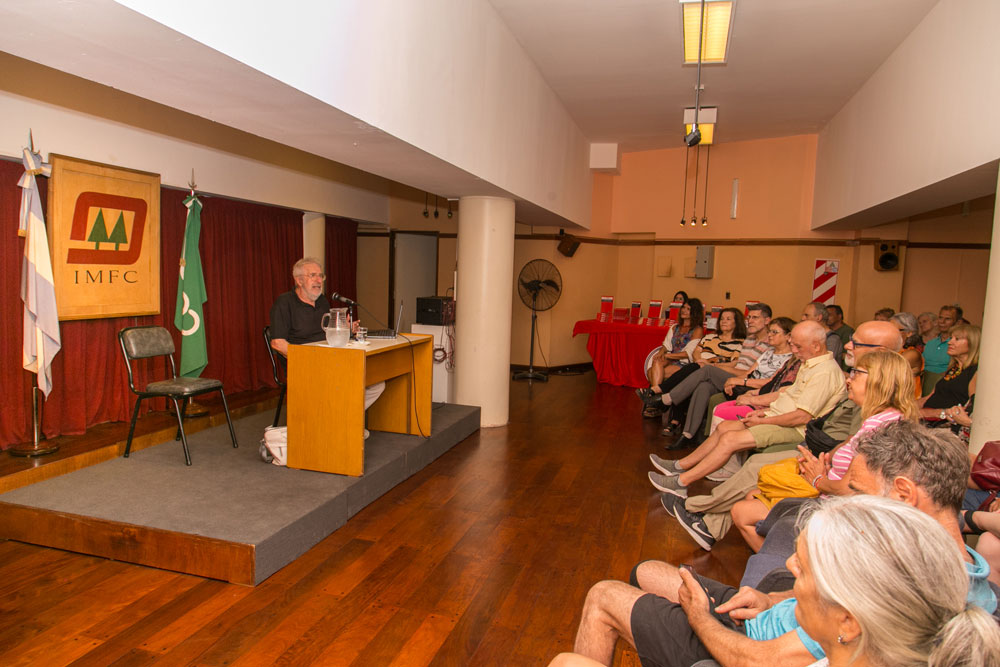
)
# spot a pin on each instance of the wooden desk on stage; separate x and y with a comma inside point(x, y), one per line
point(326, 392)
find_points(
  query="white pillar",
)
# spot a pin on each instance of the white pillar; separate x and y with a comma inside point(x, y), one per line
point(483, 307)
point(314, 236)
point(986, 416)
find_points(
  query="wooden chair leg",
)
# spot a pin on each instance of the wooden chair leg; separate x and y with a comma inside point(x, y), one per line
point(131, 428)
point(180, 430)
point(281, 401)
point(225, 406)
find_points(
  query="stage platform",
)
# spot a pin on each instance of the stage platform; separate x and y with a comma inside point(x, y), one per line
point(229, 516)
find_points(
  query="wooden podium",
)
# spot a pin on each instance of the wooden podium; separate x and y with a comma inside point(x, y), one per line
point(326, 391)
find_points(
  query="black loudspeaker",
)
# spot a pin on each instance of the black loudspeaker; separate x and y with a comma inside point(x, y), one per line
point(568, 245)
point(439, 310)
point(887, 256)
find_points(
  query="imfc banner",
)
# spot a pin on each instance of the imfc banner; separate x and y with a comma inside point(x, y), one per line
point(104, 231)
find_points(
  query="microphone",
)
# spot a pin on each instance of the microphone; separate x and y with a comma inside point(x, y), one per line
point(343, 299)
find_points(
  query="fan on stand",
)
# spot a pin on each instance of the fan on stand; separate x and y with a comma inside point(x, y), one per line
point(539, 285)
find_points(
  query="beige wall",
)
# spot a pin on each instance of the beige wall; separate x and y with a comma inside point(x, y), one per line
point(778, 274)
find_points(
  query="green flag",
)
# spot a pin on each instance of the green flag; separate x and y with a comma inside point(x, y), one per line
point(189, 316)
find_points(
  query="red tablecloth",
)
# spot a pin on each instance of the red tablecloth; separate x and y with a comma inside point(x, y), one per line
point(619, 349)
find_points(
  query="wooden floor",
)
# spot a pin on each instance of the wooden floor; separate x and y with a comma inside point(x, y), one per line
point(483, 558)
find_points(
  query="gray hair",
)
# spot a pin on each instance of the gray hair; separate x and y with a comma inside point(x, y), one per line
point(927, 313)
point(933, 459)
point(298, 270)
point(765, 310)
point(906, 320)
point(819, 308)
point(902, 578)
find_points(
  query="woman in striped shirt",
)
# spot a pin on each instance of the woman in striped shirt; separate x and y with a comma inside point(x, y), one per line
point(882, 385)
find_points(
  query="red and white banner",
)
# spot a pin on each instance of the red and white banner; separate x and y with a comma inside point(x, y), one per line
point(825, 281)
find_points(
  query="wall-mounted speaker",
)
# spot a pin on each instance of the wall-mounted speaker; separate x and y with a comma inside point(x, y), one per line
point(568, 245)
point(887, 256)
point(704, 261)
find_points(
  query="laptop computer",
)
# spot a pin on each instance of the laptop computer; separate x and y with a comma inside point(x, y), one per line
point(388, 334)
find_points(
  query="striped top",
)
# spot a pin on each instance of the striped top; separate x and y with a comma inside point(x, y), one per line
point(844, 454)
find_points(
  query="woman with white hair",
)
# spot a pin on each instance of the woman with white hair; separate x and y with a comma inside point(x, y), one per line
point(881, 583)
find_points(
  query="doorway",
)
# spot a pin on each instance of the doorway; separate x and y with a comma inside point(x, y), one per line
point(413, 258)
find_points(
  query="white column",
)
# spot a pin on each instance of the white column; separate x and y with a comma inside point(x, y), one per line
point(314, 236)
point(483, 307)
point(986, 416)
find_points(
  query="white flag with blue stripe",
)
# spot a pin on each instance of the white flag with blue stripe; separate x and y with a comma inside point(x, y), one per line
point(41, 320)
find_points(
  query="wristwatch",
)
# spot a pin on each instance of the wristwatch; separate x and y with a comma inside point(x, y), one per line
point(943, 415)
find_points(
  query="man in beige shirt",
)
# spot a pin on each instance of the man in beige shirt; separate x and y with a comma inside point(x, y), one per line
point(817, 389)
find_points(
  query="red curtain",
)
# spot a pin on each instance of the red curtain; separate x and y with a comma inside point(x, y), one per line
point(247, 252)
point(342, 256)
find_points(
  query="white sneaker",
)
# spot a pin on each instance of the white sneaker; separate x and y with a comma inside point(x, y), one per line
point(731, 467)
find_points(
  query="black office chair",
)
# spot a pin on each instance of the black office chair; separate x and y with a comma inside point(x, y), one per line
point(147, 342)
point(277, 377)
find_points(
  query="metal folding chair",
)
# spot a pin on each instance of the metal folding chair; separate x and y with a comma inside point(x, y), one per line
point(151, 341)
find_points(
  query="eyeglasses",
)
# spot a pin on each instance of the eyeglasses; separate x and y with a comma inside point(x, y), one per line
point(321, 276)
point(855, 371)
point(856, 343)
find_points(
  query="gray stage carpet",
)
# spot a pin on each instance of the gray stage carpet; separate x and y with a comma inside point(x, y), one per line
point(230, 494)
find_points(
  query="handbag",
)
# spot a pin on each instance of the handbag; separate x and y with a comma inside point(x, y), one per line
point(816, 439)
point(782, 480)
point(986, 467)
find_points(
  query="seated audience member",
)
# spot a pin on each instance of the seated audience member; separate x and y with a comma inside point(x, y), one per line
point(927, 326)
point(922, 468)
point(925, 468)
point(715, 349)
point(882, 386)
point(776, 368)
point(675, 351)
point(707, 518)
point(953, 393)
point(936, 359)
point(883, 314)
point(716, 375)
point(816, 312)
point(296, 315)
point(818, 387)
point(877, 583)
point(986, 523)
point(835, 321)
point(913, 347)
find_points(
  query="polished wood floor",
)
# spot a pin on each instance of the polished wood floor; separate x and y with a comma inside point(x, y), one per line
point(482, 558)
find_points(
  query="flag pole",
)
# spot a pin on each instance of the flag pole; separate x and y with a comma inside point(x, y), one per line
point(41, 323)
point(193, 408)
point(34, 448)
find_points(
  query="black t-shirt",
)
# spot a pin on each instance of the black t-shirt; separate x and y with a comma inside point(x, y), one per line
point(296, 321)
point(949, 393)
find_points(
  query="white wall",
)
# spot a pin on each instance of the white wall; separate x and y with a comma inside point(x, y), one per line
point(445, 76)
point(927, 114)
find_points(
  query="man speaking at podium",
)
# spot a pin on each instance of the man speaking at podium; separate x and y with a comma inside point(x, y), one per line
point(296, 316)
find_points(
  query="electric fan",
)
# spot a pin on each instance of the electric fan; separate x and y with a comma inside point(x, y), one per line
point(539, 285)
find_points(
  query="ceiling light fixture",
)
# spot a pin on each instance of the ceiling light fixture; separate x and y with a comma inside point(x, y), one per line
point(707, 117)
point(711, 31)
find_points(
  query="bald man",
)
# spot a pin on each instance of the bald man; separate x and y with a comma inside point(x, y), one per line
point(817, 389)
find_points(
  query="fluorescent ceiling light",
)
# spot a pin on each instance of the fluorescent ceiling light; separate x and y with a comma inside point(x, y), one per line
point(716, 29)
